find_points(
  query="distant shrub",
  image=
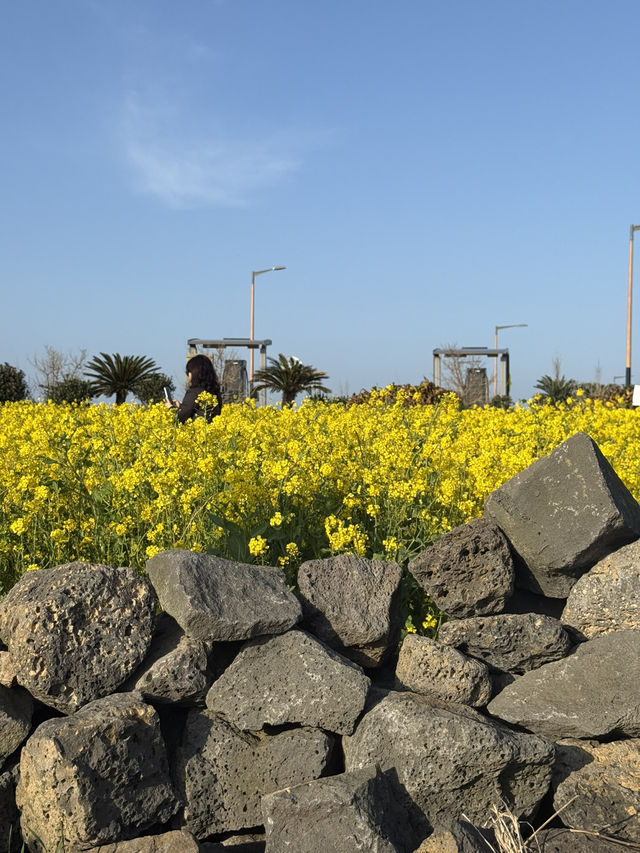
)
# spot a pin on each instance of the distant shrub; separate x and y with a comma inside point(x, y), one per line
point(70, 390)
point(13, 386)
point(424, 394)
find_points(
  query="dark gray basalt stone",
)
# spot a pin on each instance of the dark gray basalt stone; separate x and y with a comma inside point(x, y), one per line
point(290, 679)
point(593, 693)
point(16, 711)
point(512, 642)
point(564, 513)
point(352, 604)
point(469, 571)
point(351, 812)
point(601, 792)
point(98, 776)
point(176, 669)
point(216, 599)
point(176, 841)
point(427, 667)
point(222, 772)
point(607, 598)
point(76, 632)
point(450, 758)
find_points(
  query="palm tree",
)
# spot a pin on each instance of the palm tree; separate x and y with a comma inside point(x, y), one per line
point(556, 389)
point(118, 374)
point(289, 376)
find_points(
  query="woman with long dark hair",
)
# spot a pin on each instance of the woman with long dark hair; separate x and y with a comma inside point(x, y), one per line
point(201, 376)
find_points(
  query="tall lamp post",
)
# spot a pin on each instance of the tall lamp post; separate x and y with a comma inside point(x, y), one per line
point(627, 373)
point(253, 289)
point(495, 343)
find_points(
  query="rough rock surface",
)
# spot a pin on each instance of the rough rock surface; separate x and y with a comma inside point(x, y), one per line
point(512, 642)
point(76, 632)
point(425, 666)
point(593, 693)
point(351, 604)
point(564, 513)
point(222, 772)
point(600, 790)
point(351, 812)
point(98, 776)
point(175, 669)
point(607, 598)
point(460, 837)
point(16, 709)
point(451, 759)
point(216, 599)
point(469, 571)
point(7, 670)
point(288, 679)
point(564, 840)
point(9, 815)
point(176, 841)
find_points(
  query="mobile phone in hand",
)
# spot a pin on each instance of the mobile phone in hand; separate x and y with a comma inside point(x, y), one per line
point(168, 396)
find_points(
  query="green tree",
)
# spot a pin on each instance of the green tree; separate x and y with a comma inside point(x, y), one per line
point(555, 389)
point(290, 377)
point(13, 385)
point(72, 389)
point(118, 374)
point(152, 388)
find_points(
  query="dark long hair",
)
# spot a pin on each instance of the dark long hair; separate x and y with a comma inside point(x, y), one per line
point(203, 375)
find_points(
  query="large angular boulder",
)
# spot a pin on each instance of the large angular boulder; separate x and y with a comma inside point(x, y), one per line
point(607, 598)
point(460, 837)
point(222, 772)
point(76, 632)
point(593, 693)
point(469, 571)
point(600, 787)
point(351, 812)
point(98, 776)
point(290, 679)
point(176, 669)
point(427, 667)
point(513, 642)
point(451, 759)
point(216, 599)
point(352, 604)
point(564, 513)
point(16, 711)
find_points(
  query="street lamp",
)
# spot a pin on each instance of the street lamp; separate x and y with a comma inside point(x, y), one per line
point(627, 376)
point(253, 288)
point(495, 360)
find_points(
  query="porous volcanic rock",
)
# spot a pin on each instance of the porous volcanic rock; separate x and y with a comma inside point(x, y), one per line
point(513, 642)
point(601, 792)
point(175, 841)
point(351, 812)
point(290, 679)
point(16, 711)
point(425, 666)
point(76, 632)
point(607, 597)
point(468, 571)
point(352, 604)
point(176, 669)
point(222, 772)
point(564, 513)
point(98, 776)
point(450, 758)
point(216, 599)
point(593, 693)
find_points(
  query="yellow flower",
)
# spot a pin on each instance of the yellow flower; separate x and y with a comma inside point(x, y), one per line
point(258, 546)
point(276, 519)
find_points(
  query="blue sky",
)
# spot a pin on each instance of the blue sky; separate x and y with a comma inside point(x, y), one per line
point(425, 170)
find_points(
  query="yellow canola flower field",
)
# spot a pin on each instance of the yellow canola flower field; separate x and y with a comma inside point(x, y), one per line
point(117, 484)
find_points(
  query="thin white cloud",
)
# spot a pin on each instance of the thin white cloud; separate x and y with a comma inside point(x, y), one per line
point(184, 168)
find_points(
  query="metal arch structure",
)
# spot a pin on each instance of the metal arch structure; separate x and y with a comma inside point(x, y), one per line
point(252, 344)
point(502, 354)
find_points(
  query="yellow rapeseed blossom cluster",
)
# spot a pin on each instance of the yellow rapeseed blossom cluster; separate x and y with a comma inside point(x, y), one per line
point(115, 485)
